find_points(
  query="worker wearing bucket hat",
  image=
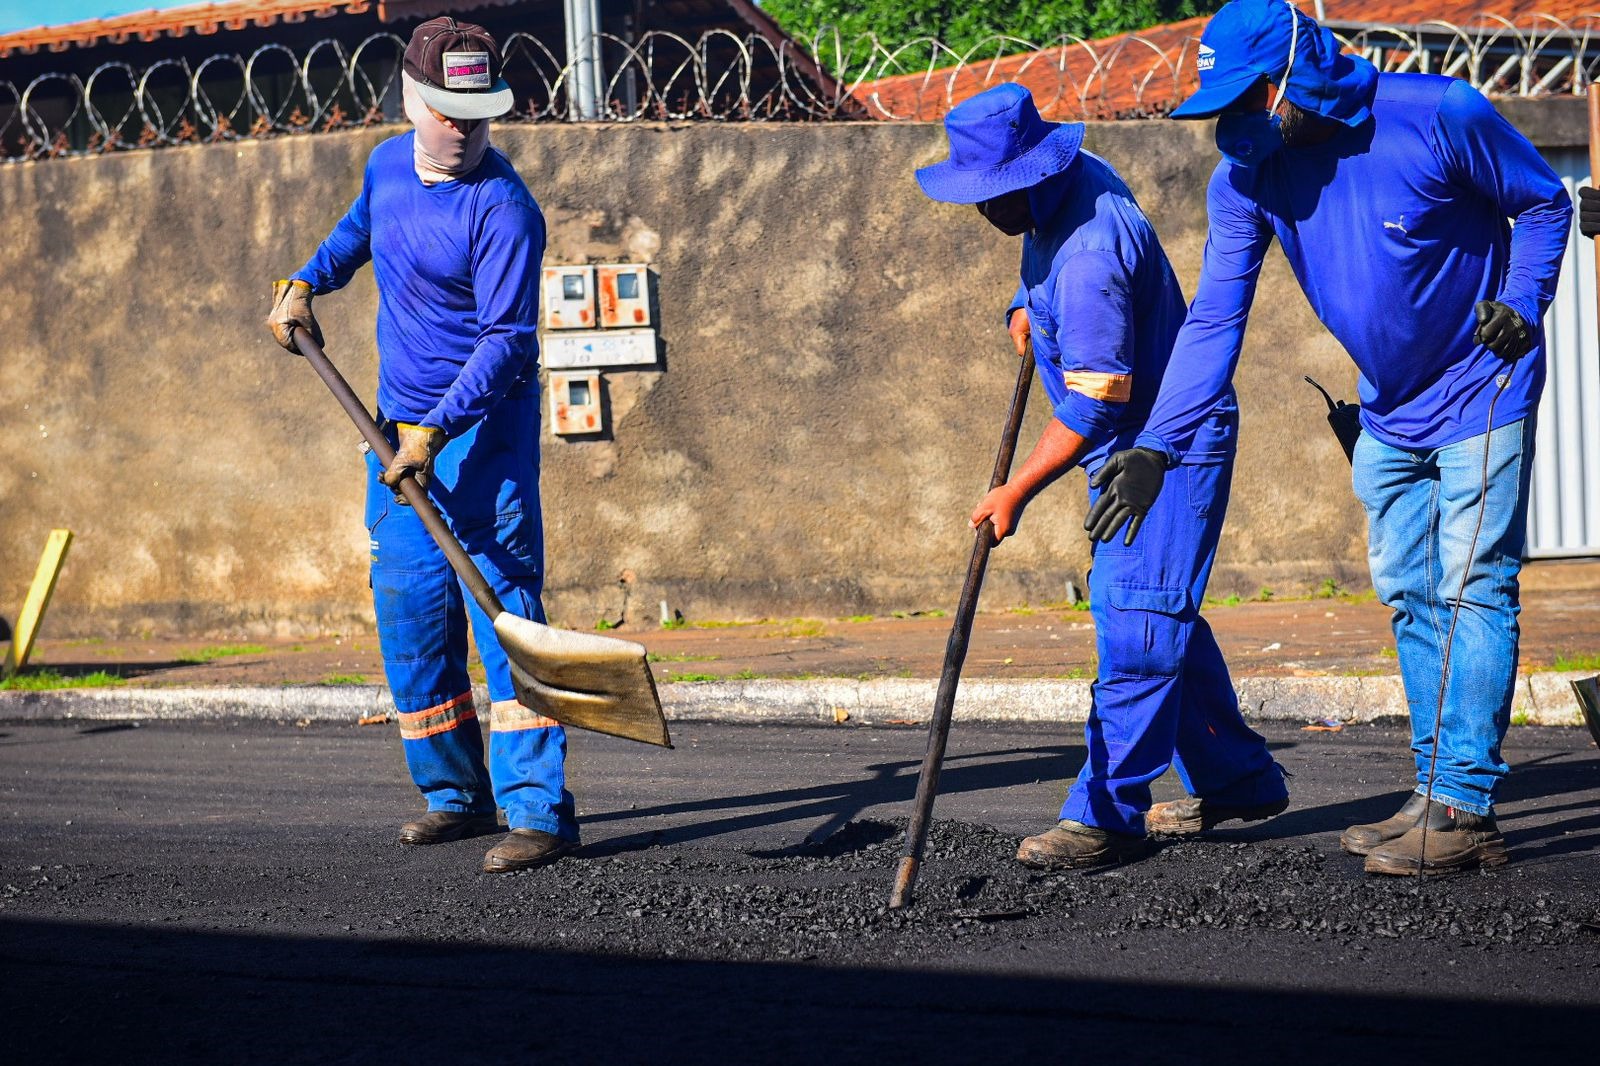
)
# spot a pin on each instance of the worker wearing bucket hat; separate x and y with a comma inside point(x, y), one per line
point(455, 241)
point(1393, 197)
point(1100, 305)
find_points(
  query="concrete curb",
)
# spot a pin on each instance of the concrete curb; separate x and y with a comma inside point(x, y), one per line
point(1541, 699)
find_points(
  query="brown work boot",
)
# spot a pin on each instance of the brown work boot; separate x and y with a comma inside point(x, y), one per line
point(1360, 839)
point(439, 827)
point(1194, 815)
point(1457, 841)
point(524, 849)
point(1075, 846)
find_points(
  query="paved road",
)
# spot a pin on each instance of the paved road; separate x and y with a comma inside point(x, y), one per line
point(232, 893)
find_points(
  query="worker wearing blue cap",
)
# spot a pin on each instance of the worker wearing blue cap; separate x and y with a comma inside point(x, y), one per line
point(1393, 197)
point(1101, 306)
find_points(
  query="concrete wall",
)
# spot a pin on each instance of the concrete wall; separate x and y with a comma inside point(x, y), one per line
point(836, 375)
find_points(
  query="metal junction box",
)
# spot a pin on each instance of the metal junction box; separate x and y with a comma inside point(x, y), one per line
point(624, 295)
point(575, 407)
point(567, 298)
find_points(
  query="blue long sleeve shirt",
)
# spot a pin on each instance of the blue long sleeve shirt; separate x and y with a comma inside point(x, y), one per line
point(457, 266)
point(1395, 229)
point(1104, 304)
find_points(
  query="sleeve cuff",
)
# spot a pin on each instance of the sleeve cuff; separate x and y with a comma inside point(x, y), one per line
point(1158, 444)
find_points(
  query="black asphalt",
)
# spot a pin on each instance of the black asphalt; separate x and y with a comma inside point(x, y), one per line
point(233, 893)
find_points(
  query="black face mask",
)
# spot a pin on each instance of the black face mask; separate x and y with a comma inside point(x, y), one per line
point(1010, 214)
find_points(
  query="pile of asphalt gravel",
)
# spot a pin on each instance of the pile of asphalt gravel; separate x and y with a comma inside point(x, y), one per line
point(829, 898)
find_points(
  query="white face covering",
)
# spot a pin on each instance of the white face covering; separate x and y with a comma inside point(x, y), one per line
point(441, 152)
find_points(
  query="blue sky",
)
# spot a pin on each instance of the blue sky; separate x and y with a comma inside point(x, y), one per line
point(26, 14)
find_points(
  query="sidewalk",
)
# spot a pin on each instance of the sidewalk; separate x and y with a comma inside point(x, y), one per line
point(1296, 660)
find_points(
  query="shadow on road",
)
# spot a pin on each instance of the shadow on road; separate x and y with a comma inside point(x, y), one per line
point(145, 995)
point(838, 802)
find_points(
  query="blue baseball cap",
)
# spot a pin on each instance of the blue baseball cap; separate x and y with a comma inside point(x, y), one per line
point(1250, 40)
point(999, 144)
point(1245, 42)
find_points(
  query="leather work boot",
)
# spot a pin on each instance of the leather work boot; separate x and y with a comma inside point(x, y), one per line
point(1194, 815)
point(525, 849)
point(1457, 841)
point(1075, 846)
point(1360, 839)
point(439, 827)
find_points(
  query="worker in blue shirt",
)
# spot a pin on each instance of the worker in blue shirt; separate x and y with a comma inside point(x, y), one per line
point(1101, 306)
point(1393, 197)
point(455, 241)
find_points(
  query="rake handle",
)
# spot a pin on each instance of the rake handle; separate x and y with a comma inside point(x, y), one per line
point(415, 494)
point(955, 655)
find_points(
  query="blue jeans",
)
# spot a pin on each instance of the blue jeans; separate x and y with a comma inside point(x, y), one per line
point(486, 483)
point(1163, 696)
point(1422, 507)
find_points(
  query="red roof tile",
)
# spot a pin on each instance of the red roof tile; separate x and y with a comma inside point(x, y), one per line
point(176, 22)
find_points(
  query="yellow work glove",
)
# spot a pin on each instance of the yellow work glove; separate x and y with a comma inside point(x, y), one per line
point(418, 446)
point(291, 307)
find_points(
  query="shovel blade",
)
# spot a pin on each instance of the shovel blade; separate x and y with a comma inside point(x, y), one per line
point(583, 680)
point(1588, 692)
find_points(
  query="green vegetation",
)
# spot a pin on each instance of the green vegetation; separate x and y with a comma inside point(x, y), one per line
point(1388, 653)
point(1264, 596)
point(604, 624)
point(963, 26)
point(1521, 717)
point(800, 629)
point(42, 680)
point(345, 679)
point(1578, 662)
point(1327, 590)
point(860, 618)
point(658, 657)
point(221, 651)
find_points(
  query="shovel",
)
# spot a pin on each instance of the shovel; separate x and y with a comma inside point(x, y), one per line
point(955, 654)
point(579, 679)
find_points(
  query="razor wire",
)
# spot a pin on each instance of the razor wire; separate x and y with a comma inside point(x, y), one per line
point(724, 76)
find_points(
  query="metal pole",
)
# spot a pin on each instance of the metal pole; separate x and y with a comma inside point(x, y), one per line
point(585, 77)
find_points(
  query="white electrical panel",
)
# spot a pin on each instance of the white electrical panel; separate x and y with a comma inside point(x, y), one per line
point(624, 290)
point(575, 407)
point(599, 347)
point(568, 297)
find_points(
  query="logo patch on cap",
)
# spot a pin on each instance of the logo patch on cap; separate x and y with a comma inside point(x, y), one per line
point(1206, 58)
point(466, 70)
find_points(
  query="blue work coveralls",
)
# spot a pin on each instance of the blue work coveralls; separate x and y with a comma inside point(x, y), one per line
point(457, 265)
point(1396, 228)
point(1105, 308)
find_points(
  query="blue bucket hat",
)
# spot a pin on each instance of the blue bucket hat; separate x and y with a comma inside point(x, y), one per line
point(999, 144)
point(1248, 40)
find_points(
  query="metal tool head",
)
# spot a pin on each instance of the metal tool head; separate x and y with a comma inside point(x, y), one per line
point(1587, 690)
point(583, 679)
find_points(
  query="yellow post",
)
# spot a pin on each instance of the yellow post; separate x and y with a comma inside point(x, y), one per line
point(39, 593)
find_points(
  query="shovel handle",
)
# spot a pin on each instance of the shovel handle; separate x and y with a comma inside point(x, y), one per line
point(955, 655)
point(415, 494)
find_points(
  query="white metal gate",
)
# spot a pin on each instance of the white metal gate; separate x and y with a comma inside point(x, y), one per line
point(1564, 511)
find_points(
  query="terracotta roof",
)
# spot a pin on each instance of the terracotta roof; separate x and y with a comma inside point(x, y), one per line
point(1148, 72)
point(201, 19)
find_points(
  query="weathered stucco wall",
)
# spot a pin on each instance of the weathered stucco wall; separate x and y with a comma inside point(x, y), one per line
point(836, 375)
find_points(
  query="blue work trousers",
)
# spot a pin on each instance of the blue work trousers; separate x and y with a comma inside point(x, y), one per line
point(1422, 508)
point(1163, 696)
point(486, 483)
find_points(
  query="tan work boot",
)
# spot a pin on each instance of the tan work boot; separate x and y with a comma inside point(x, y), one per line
point(1457, 841)
point(1075, 846)
point(1360, 839)
point(1194, 815)
point(525, 849)
point(438, 827)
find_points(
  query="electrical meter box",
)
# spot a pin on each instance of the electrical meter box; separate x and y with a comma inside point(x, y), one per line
point(624, 295)
point(568, 297)
point(575, 404)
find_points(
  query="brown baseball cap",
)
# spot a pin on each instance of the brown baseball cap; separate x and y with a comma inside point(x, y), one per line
point(456, 68)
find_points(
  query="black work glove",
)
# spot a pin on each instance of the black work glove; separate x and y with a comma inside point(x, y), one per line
point(1588, 210)
point(1502, 330)
point(1345, 418)
point(1132, 480)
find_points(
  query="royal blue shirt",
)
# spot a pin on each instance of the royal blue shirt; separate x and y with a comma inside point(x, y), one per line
point(457, 266)
point(1395, 229)
point(1104, 305)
